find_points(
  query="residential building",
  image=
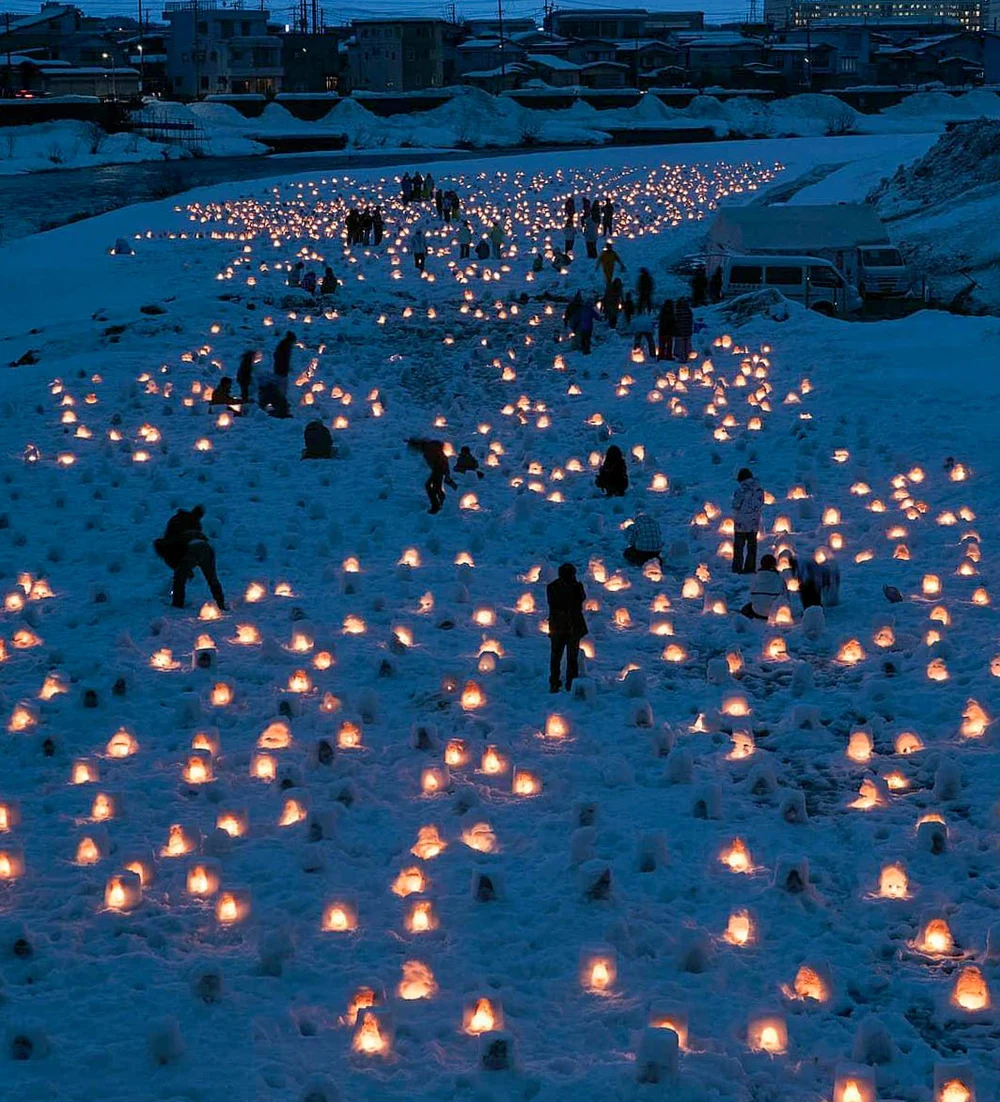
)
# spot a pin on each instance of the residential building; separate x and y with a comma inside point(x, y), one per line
point(608, 23)
point(148, 53)
point(42, 32)
point(955, 60)
point(720, 58)
point(212, 49)
point(558, 72)
point(972, 15)
point(492, 28)
point(481, 55)
point(41, 76)
point(313, 62)
point(646, 56)
point(398, 55)
point(588, 51)
point(660, 24)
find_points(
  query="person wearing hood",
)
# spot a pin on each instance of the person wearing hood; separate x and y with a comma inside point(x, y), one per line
point(184, 547)
point(748, 505)
point(329, 284)
point(467, 462)
point(567, 627)
point(283, 361)
point(766, 589)
point(244, 374)
point(317, 441)
point(612, 477)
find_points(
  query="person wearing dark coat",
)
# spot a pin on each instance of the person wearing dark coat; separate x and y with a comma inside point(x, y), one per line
point(595, 212)
point(612, 477)
point(439, 203)
point(715, 286)
point(665, 331)
point(699, 287)
point(418, 186)
point(567, 626)
point(329, 284)
point(309, 282)
point(436, 459)
point(406, 185)
point(466, 461)
point(244, 374)
point(569, 235)
point(184, 547)
point(378, 226)
point(613, 303)
point(644, 291)
point(585, 326)
point(569, 208)
point(607, 217)
point(283, 357)
point(222, 395)
point(585, 210)
point(628, 307)
point(317, 440)
point(571, 315)
point(683, 329)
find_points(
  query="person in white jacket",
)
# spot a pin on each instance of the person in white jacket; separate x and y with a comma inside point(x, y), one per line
point(766, 589)
point(748, 505)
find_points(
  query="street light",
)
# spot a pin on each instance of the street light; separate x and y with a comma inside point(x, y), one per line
point(114, 75)
point(142, 69)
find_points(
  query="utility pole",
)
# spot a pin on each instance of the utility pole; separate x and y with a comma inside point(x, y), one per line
point(142, 58)
point(10, 74)
point(809, 67)
point(503, 56)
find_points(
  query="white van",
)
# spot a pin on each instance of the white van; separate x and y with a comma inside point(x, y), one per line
point(814, 282)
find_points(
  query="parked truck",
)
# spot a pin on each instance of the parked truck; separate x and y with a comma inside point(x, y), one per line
point(848, 235)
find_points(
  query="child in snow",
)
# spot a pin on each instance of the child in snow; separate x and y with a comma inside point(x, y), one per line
point(765, 590)
point(612, 477)
point(317, 440)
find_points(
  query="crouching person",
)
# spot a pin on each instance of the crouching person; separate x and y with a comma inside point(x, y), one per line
point(184, 547)
point(819, 583)
point(317, 440)
point(766, 589)
point(645, 540)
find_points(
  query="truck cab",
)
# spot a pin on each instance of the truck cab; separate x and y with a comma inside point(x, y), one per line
point(882, 272)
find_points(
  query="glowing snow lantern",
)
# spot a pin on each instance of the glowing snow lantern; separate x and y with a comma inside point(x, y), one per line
point(893, 882)
point(482, 1016)
point(456, 753)
point(354, 625)
point(472, 697)
point(8, 817)
point(234, 823)
point(203, 880)
point(222, 694)
point(299, 682)
point(884, 637)
point(743, 746)
point(737, 857)
point(809, 984)
point(293, 812)
point(417, 982)
point(429, 843)
point(736, 706)
point(369, 1037)
point(937, 670)
point(673, 652)
point(859, 746)
point(340, 918)
point(83, 773)
point(263, 767)
point(408, 881)
point(103, 808)
point(953, 1083)
point(434, 780)
point(854, 1084)
point(525, 783)
point(349, 735)
point(776, 649)
point(739, 930)
point(936, 938)
point(21, 719)
point(493, 762)
point(198, 769)
point(480, 837)
point(163, 659)
point(851, 653)
point(767, 1034)
point(87, 852)
point(974, 720)
point(232, 907)
point(246, 635)
point(598, 970)
point(557, 727)
point(275, 736)
point(931, 585)
point(971, 991)
point(692, 589)
point(421, 918)
point(123, 892)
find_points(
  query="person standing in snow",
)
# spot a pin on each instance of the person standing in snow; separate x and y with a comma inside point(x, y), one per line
point(607, 216)
point(309, 282)
point(819, 583)
point(642, 330)
point(184, 547)
point(665, 331)
point(613, 303)
point(748, 505)
point(766, 589)
point(418, 187)
point(329, 284)
point(567, 627)
point(436, 459)
point(569, 235)
point(428, 186)
point(244, 374)
point(378, 226)
point(645, 540)
point(715, 285)
point(406, 185)
point(464, 240)
point(585, 212)
point(420, 250)
point(590, 237)
point(608, 261)
point(496, 240)
point(644, 291)
point(628, 309)
point(283, 361)
point(585, 326)
point(699, 287)
point(683, 330)
point(569, 208)
point(612, 476)
point(439, 203)
point(295, 275)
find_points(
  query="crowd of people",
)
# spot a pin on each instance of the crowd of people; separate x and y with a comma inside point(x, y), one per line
point(665, 332)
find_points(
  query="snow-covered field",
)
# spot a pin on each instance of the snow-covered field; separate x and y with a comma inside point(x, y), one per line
point(854, 759)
